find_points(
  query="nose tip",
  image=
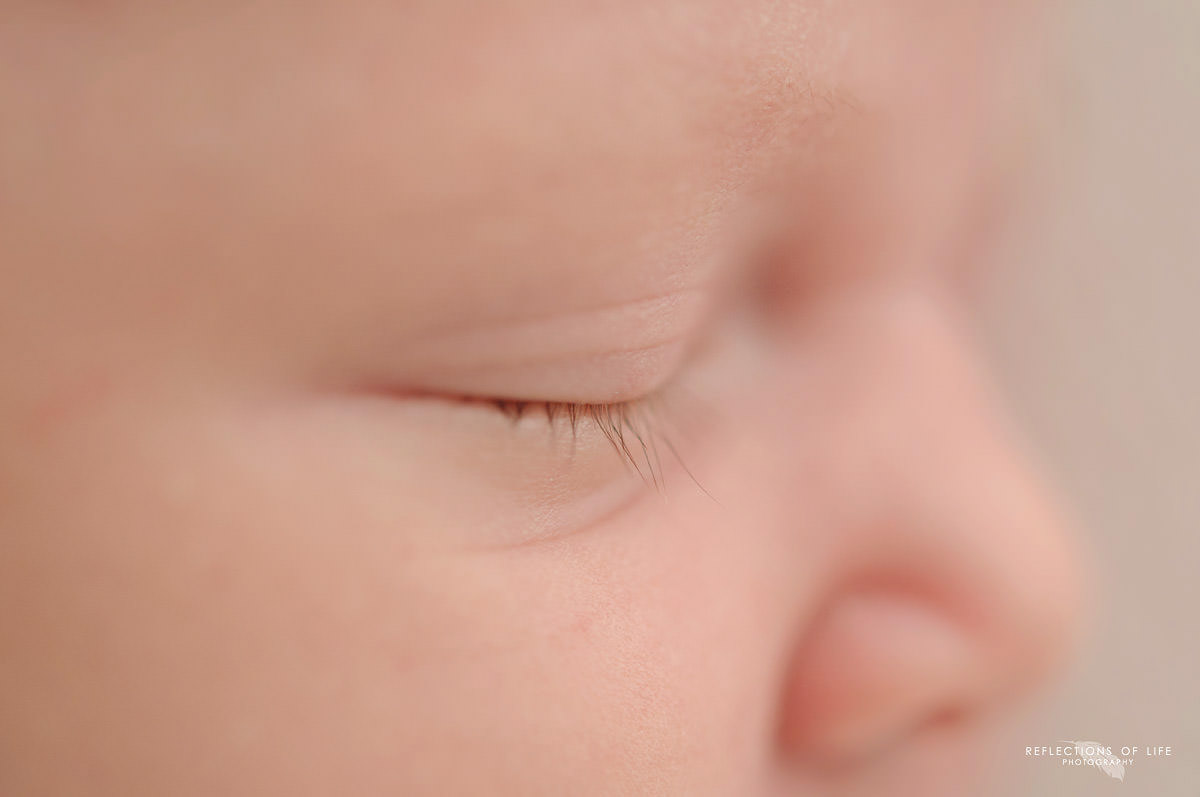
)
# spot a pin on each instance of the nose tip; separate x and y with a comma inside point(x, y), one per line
point(1016, 584)
point(945, 624)
point(1032, 618)
point(954, 582)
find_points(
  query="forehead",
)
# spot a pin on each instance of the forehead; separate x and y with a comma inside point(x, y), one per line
point(611, 141)
point(418, 165)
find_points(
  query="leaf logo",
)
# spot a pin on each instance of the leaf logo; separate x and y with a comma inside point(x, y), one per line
point(1108, 764)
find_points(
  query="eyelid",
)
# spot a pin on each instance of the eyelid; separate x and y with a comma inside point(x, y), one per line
point(607, 378)
point(540, 469)
point(626, 313)
point(608, 356)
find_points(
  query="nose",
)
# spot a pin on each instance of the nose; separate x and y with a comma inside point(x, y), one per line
point(955, 583)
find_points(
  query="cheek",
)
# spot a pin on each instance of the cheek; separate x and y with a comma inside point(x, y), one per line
point(641, 652)
point(204, 604)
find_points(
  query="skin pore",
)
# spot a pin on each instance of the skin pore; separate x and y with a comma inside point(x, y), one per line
point(270, 267)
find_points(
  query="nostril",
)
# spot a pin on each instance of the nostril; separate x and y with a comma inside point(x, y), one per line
point(948, 717)
point(877, 666)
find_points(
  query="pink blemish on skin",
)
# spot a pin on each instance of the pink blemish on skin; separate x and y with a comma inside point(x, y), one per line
point(68, 401)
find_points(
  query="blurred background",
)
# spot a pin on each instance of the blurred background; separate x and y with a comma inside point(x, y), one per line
point(1094, 318)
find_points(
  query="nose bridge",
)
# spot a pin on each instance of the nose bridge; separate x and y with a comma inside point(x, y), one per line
point(956, 500)
point(971, 508)
point(970, 522)
point(959, 582)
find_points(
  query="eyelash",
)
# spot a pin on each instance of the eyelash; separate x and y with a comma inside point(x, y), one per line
point(629, 426)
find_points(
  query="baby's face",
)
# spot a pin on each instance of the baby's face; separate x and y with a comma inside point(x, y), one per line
point(520, 397)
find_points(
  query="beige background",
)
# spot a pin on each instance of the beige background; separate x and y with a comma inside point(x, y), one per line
point(1096, 325)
